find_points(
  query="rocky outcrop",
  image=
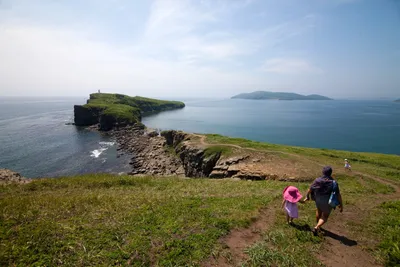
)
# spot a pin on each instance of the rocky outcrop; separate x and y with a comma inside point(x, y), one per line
point(182, 154)
point(195, 162)
point(167, 154)
point(194, 159)
point(86, 116)
point(149, 150)
point(8, 176)
point(227, 168)
point(108, 122)
point(116, 110)
point(175, 138)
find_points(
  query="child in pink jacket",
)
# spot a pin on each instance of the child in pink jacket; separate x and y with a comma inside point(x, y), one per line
point(291, 195)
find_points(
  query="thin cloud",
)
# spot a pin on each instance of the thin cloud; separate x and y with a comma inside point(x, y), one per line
point(47, 60)
point(181, 47)
point(290, 66)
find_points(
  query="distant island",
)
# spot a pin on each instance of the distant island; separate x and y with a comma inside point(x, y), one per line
point(109, 110)
point(264, 95)
point(398, 100)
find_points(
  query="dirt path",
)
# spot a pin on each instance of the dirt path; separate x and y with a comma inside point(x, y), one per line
point(343, 248)
point(379, 180)
point(238, 240)
point(340, 248)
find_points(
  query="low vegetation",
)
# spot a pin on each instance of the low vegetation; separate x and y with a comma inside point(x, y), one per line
point(222, 150)
point(116, 220)
point(386, 227)
point(145, 105)
point(108, 220)
point(142, 221)
point(382, 165)
point(115, 109)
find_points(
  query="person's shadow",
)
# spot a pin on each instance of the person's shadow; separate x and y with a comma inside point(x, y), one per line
point(344, 240)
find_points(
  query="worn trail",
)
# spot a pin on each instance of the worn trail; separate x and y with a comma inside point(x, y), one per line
point(345, 248)
point(340, 247)
point(234, 244)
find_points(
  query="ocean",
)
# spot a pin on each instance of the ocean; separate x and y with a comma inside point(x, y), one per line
point(364, 126)
point(37, 140)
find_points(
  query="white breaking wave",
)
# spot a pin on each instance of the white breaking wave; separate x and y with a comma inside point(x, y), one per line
point(103, 147)
point(106, 143)
point(97, 152)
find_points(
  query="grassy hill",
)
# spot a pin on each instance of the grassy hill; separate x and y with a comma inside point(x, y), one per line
point(115, 109)
point(108, 220)
point(263, 95)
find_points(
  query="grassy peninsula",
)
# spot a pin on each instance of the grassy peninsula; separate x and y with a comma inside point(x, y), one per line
point(264, 95)
point(111, 110)
point(108, 220)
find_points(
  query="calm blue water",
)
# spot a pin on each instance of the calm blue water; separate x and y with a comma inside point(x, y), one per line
point(372, 126)
point(35, 140)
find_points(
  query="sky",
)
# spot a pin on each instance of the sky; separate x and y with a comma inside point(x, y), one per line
point(200, 48)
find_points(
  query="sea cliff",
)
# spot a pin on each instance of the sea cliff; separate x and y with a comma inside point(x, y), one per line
point(117, 110)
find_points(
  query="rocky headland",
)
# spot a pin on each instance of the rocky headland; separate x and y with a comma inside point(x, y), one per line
point(117, 110)
point(175, 153)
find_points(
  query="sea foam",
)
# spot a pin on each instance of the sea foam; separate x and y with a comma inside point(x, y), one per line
point(103, 147)
point(97, 152)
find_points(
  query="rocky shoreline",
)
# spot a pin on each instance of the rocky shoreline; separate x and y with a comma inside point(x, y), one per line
point(176, 153)
point(168, 153)
point(8, 176)
point(149, 151)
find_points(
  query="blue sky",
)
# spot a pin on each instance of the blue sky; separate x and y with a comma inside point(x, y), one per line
point(198, 48)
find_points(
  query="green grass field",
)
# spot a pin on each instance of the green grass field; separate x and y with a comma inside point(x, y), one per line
point(145, 221)
point(127, 106)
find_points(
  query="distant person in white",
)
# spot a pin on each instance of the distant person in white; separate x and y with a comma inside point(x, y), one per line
point(347, 166)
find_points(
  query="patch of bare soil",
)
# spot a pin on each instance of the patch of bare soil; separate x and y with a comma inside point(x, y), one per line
point(256, 164)
point(238, 240)
point(340, 248)
point(344, 248)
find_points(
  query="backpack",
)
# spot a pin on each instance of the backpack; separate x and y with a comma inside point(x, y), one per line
point(333, 199)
